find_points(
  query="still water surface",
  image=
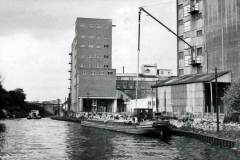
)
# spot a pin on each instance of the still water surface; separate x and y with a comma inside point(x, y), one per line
point(48, 139)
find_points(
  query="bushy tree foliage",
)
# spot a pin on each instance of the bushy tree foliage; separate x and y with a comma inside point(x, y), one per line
point(12, 101)
point(17, 97)
point(232, 97)
point(3, 97)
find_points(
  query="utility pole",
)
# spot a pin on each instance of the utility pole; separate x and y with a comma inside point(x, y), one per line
point(88, 106)
point(139, 25)
point(216, 99)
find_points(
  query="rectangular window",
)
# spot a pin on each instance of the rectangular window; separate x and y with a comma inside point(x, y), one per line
point(98, 46)
point(180, 22)
point(149, 103)
point(82, 25)
point(180, 6)
point(188, 40)
point(105, 66)
point(91, 26)
point(106, 56)
point(93, 73)
point(199, 33)
point(187, 26)
point(199, 51)
point(153, 103)
point(90, 46)
point(186, 10)
point(82, 45)
point(91, 36)
point(180, 55)
point(99, 27)
point(105, 45)
point(85, 72)
point(199, 69)
point(187, 60)
point(180, 72)
point(110, 73)
point(83, 36)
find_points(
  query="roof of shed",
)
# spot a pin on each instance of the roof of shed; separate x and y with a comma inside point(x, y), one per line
point(190, 78)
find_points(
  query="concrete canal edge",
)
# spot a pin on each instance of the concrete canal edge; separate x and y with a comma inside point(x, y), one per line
point(227, 143)
point(68, 119)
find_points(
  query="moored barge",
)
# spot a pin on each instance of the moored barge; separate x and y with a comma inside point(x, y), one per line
point(143, 128)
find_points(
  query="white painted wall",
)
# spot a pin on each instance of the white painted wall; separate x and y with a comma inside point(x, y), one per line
point(194, 101)
point(145, 103)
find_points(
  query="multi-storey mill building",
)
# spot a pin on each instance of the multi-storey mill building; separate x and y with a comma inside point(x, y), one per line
point(190, 26)
point(212, 28)
point(93, 81)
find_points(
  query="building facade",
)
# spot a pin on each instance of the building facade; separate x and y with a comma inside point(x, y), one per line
point(211, 27)
point(150, 75)
point(93, 81)
point(126, 82)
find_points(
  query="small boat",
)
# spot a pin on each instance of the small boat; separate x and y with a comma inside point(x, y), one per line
point(34, 114)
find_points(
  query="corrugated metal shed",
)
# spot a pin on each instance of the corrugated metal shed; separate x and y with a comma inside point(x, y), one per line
point(191, 78)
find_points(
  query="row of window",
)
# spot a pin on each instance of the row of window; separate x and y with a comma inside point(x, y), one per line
point(95, 73)
point(94, 56)
point(187, 27)
point(94, 46)
point(132, 86)
point(95, 65)
point(187, 60)
point(94, 26)
point(188, 40)
point(150, 103)
point(93, 37)
point(135, 78)
point(199, 70)
point(188, 8)
point(199, 52)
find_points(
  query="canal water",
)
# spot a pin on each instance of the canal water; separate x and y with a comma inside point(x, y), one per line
point(47, 139)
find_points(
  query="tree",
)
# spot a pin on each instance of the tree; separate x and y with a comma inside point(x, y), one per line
point(3, 97)
point(1, 79)
point(17, 97)
point(231, 98)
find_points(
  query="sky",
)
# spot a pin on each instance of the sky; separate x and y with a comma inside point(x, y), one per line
point(36, 37)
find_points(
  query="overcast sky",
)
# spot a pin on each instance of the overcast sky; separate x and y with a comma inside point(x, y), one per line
point(36, 35)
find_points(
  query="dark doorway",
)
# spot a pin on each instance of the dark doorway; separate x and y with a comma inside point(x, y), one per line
point(221, 89)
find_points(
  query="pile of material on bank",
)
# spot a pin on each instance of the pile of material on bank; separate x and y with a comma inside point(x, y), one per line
point(208, 126)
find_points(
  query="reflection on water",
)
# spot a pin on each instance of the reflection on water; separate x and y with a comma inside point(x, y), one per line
point(48, 139)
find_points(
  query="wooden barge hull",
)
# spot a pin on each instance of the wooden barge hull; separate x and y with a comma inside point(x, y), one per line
point(124, 128)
